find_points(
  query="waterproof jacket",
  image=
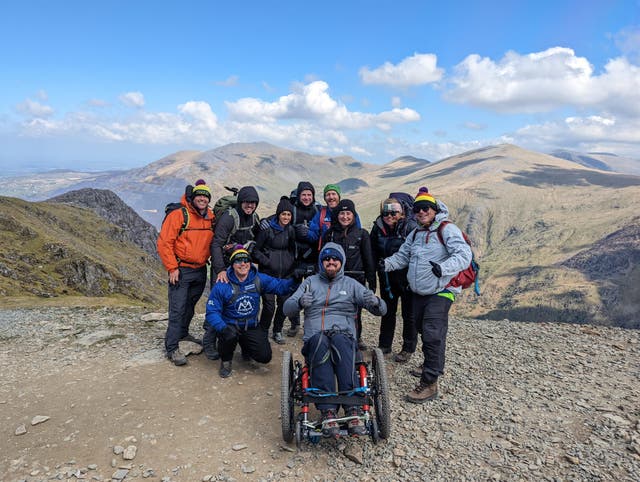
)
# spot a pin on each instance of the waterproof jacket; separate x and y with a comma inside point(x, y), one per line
point(225, 235)
point(275, 250)
point(422, 245)
point(335, 302)
point(356, 244)
point(242, 309)
point(191, 248)
point(385, 241)
point(321, 223)
point(306, 250)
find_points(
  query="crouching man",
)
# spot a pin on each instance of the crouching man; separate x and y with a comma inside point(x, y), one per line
point(330, 301)
point(233, 308)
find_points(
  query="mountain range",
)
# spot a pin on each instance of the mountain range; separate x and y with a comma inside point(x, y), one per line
point(557, 240)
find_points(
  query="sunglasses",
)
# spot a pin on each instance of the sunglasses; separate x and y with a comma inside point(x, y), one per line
point(417, 209)
point(331, 258)
point(390, 213)
point(241, 260)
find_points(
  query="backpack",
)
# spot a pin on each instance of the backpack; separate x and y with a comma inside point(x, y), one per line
point(469, 275)
point(225, 202)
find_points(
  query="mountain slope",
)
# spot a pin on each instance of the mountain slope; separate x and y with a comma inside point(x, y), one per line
point(50, 249)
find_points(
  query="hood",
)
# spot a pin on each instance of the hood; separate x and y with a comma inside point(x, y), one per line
point(338, 248)
point(443, 213)
point(248, 194)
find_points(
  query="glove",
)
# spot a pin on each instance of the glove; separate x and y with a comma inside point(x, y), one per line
point(229, 333)
point(302, 230)
point(381, 265)
point(249, 246)
point(437, 271)
point(300, 273)
point(264, 224)
point(306, 300)
point(370, 299)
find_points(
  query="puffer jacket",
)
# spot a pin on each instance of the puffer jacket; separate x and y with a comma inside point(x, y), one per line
point(191, 247)
point(275, 249)
point(422, 246)
point(335, 301)
point(223, 310)
point(385, 241)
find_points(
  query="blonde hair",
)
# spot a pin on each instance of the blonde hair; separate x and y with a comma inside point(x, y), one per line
point(391, 200)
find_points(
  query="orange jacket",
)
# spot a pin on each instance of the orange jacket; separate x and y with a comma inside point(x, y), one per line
point(191, 248)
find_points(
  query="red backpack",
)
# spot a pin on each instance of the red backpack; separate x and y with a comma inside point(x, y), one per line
point(469, 275)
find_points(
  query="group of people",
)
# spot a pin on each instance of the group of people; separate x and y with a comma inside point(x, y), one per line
point(321, 260)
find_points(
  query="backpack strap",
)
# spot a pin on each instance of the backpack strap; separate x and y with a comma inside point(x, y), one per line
point(185, 219)
point(440, 228)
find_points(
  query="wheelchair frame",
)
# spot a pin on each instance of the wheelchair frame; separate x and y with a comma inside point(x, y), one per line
point(372, 396)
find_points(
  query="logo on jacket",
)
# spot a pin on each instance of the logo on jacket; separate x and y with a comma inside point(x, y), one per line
point(244, 306)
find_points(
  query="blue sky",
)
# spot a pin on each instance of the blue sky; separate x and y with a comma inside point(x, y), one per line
point(112, 84)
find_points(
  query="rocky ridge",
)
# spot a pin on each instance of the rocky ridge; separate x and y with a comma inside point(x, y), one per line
point(519, 401)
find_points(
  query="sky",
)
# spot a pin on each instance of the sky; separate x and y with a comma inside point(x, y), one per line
point(97, 85)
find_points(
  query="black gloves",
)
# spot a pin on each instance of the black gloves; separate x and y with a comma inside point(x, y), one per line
point(301, 231)
point(303, 272)
point(381, 267)
point(264, 224)
point(435, 268)
point(229, 333)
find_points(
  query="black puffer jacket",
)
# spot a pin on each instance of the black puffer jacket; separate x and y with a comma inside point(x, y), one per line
point(274, 251)
point(385, 241)
point(306, 251)
point(356, 244)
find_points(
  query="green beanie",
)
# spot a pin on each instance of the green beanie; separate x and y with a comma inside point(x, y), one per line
point(331, 187)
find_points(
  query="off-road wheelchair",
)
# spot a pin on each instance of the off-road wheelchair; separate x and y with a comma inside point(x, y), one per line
point(372, 396)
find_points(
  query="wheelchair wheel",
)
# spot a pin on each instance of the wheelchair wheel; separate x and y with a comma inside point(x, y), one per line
point(374, 432)
point(381, 394)
point(286, 397)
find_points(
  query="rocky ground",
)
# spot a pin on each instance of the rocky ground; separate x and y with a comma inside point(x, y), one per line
point(86, 394)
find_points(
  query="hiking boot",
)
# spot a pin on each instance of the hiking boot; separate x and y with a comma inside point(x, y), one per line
point(178, 358)
point(225, 369)
point(330, 427)
point(193, 339)
point(356, 426)
point(278, 338)
point(293, 331)
point(210, 352)
point(423, 392)
point(403, 357)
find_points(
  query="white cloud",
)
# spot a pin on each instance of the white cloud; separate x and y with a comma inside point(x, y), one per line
point(313, 103)
point(419, 69)
point(132, 99)
point(590, 133)
point(230, 81)
point(33, 109)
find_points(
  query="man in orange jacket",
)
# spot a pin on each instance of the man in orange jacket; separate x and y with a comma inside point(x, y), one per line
point(184, 251)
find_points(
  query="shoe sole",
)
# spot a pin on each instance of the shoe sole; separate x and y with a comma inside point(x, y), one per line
point(421, 400)
point(179, 363)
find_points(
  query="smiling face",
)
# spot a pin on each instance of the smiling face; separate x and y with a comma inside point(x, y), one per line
point(241, 267)
point(332, 199)
point(306, 197)
point(284, 218)
point(248, 206)
point(331, 266)
point(345, 218)
point(426, 215)
point(200, 202)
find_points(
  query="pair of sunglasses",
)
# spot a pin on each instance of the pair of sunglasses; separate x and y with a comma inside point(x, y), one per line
point(241, 260)
point(390, 213)
point(330, 258)
point(416, 210)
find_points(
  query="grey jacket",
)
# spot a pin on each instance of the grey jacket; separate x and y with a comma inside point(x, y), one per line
point(335, 301)
point(422, 245)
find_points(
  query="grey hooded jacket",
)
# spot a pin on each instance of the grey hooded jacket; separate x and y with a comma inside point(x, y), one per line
point(422, 245)
point(335, 301)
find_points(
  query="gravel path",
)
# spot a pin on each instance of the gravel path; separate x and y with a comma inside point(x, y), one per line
point(519, 401)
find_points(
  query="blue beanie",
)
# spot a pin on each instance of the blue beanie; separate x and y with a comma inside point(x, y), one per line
point(331, 252)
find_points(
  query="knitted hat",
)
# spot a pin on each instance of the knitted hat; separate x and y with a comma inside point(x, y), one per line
point(248, 194)
point(424, 199)
point(331, 253)
point(201, 190)
point(345, 205)
point(239, 253)
point(331, 187)
point(284, 205)
point(199, 182)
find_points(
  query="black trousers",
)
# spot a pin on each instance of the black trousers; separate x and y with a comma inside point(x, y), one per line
point(272, 305)
point(183, 297)
point(432, 313)
point(388, 322)
point(253, 341)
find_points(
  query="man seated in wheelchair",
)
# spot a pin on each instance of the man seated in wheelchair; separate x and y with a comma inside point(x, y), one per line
point(330, 301)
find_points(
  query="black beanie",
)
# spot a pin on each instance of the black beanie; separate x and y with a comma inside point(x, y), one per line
point(284, 205)
point(306, 186)
point(345, 205)
point(248, 194)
